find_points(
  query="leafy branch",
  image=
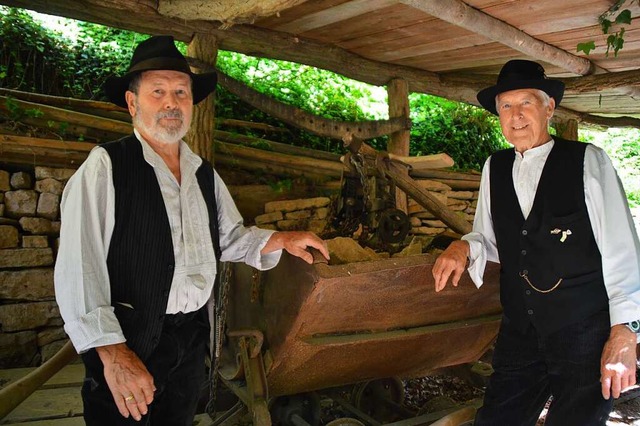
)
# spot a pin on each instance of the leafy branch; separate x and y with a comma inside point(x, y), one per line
point(615, 41)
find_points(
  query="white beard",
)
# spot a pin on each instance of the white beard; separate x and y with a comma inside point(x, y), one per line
point(160, 133)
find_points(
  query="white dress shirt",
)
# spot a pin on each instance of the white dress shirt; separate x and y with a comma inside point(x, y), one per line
point(611, 221)
point(81, 277)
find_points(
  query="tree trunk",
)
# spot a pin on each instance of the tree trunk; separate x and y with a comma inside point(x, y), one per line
point(200, 136)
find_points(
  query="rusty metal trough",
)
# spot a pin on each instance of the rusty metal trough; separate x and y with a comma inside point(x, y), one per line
point(312, 327)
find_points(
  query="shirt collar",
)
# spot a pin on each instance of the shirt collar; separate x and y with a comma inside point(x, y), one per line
point(189, 162)
point(538, 151)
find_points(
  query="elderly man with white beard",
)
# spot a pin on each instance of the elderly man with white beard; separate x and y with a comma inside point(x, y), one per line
point(143, 221)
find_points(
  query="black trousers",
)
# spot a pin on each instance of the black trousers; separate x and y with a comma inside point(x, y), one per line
point(178, 369)
point(529, 368)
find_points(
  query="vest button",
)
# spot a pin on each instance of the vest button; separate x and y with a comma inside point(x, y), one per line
point(524, 232)
point(527, 292)
point(170, 268)
point(524, 272)
point(530, 311)
point(523, 252)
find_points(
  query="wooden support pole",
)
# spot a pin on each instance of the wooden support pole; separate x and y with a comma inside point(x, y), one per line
point(200, 136)
point(398, 92)
point(567, 129)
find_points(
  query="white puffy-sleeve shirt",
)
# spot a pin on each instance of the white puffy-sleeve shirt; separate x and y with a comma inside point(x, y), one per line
point(81, 277)
point(611, 221)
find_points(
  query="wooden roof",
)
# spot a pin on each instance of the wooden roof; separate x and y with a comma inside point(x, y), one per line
point(448, 48)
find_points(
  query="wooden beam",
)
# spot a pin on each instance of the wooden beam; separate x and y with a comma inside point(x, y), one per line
point(228, 12)
point(459, 13)
point(312, 123)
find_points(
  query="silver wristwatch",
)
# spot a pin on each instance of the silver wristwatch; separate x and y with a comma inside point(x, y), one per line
point(634, 326)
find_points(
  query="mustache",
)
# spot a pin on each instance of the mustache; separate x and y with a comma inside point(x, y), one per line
point(176, 113)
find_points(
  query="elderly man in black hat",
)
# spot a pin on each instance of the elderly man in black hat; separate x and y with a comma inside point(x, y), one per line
point(553, 213)
point(143, 221)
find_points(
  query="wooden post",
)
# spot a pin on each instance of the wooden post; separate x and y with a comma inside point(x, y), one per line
point(200, 136)
point(398, 92)
point(567, 129)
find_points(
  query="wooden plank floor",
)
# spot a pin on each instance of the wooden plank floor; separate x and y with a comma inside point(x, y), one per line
point(57, 402)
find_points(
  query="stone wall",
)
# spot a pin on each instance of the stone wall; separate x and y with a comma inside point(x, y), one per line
point(462, 202)
point(30, 325)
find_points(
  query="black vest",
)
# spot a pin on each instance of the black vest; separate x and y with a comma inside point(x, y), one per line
point(534, 247)
point(140, 259)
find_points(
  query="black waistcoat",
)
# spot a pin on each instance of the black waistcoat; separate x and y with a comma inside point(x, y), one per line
point(140, 259)
point(534, 247)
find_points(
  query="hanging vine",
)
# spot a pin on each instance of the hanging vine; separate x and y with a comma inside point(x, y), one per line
point(613, 16)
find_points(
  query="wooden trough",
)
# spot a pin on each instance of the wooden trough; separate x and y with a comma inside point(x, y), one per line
point(300, 328)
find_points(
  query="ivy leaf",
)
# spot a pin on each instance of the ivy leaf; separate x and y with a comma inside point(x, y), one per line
point(586, 47)
point(624, 17)
point(605, 24)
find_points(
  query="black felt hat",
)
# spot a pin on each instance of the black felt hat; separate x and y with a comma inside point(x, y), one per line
point(520, 74)
point(158, 53)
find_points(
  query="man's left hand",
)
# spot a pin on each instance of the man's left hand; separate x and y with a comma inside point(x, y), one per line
point(296, 243)
point(618, 362)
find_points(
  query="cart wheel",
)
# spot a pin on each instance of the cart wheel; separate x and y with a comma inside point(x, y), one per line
point(303, 405)
point(377, 398)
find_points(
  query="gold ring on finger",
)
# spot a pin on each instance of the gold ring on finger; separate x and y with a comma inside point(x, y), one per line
point(129, 398)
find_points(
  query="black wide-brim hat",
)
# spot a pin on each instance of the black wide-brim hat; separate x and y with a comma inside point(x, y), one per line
point(154, 54)
point(520, 74)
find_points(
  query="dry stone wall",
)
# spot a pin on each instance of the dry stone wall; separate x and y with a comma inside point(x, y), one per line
point(31, 329)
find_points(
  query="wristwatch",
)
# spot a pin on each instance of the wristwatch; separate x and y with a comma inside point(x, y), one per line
point(634, 326)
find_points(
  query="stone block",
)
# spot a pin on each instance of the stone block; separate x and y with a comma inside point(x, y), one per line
point(22, 202)
point(413, 249)
point(298, 214)
point(269, 218)
point(35, 241)
point(48, 205)
point(50, 186)
point(27, 284)
point(49, 350)
point(460, 195)
point(9, 236)
point(415, 221)
point(51, 334)
point(21, 180)
point(457, 205)
point(292, 225)
point(62, 175)
point(320, 213)
point(5, 181)
point(316, 226)
point(293, 205)
point(26, 257)
point(433, 185)
point(18, 350)
point(434, 223)
point(269, 226)
point(38, 226)
point(425, 230)
point(424, 215)
point(29, 316)
point(55, 227)
point(2, 209)
point(1, 197)
point(346, 250)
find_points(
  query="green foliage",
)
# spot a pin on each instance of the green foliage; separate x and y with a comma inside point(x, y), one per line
point(623, 147)
point(615, 41)
point(40, 60)
point(467, 133)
